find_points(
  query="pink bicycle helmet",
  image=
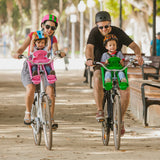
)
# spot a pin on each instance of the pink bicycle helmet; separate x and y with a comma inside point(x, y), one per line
point(50, 17)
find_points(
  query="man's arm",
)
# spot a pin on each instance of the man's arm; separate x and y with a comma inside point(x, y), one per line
point(137, 52)
point(89, 54)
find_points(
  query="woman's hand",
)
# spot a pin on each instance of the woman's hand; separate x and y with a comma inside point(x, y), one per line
point(62, 54)
point(16, 55)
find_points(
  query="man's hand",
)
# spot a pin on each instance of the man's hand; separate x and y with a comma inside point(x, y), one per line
point(89, 62)
point(139, 59)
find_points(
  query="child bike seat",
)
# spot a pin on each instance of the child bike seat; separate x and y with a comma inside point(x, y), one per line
point(40, 57)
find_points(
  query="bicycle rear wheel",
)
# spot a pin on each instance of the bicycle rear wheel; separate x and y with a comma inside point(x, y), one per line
point(47, 125)
point(105, 125)
point(117, 120)
point(36, 124)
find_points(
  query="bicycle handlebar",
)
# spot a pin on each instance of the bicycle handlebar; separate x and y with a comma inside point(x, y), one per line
point(131, 61)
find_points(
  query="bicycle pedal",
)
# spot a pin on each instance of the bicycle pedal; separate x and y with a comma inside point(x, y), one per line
point(30, 126)
point(100, 120)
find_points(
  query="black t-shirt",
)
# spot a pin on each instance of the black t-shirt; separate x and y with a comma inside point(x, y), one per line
point(95, 38)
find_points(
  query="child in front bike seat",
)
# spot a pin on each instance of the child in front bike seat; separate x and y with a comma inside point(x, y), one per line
point(41, 41)
point(110, 43)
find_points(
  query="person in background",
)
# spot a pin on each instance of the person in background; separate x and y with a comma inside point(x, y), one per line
point(66, 60)
point(157, 45)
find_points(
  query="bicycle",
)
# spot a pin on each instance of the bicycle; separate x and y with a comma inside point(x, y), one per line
point(40, 112)
point(112, 103)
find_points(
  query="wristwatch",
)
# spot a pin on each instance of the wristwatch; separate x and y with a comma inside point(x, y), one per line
point(58, 52)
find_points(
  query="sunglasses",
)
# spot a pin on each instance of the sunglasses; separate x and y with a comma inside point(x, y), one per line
point(52, 27)
point(106, 26)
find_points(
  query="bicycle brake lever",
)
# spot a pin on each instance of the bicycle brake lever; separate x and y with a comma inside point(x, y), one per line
point(21, 56)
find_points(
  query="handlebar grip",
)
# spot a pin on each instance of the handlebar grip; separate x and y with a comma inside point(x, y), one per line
point(20, 56)
point(94, 62)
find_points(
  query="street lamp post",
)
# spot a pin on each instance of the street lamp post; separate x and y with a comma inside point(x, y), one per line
point(101, 5)
point(90, 4)
point(73, 20)
point(81, 8)
point(154, 28)
point(120, 13)
point(67, 11)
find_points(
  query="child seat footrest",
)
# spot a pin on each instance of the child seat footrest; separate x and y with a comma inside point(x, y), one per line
point(51, 78)
point(36, 79)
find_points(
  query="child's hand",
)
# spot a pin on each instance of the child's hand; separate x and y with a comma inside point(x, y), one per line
point(106, 62)
point(122, 62)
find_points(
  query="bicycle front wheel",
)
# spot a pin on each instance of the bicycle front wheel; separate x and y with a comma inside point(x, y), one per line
point(47, 125)
point(117, 120)
point(36, 124)
point(105, 127)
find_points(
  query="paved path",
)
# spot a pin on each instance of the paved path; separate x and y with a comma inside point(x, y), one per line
point(78, 136)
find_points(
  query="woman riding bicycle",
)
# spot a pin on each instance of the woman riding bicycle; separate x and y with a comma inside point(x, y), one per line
point(49, 25)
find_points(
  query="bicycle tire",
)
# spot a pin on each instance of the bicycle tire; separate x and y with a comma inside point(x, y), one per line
point(36, 129)
point(105, 126)
point(117, 120)
point(47, 124)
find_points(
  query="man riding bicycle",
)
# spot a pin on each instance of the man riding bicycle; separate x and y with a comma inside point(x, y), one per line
point(94, 51)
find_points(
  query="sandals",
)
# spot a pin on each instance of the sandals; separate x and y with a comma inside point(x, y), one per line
point(54, 125)
point(27, 121)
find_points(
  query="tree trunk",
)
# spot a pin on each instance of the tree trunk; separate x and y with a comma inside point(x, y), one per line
point(34, 14)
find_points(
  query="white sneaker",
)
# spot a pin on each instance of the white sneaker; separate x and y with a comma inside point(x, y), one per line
point(123, 80)
point(107, 80)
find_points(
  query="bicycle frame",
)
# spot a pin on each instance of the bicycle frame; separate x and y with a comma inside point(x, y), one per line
point(39, 95)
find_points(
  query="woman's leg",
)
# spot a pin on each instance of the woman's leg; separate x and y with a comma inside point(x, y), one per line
point(29, 98)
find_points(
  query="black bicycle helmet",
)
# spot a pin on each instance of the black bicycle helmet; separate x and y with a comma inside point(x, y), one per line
point(102, 16)
point(109, 37)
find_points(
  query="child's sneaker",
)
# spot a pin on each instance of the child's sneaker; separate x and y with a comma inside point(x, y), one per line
point(123, 80)
point(52, 72)
point(34, 73)
point(107, 80)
